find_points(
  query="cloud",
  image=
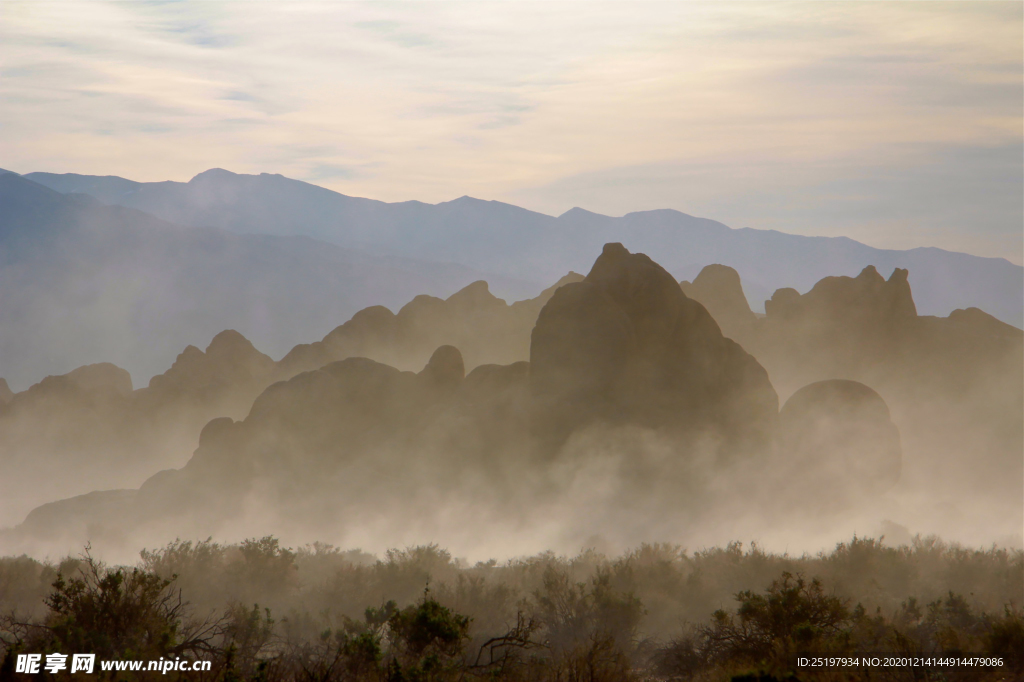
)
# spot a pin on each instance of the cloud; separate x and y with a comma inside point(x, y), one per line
point(325, 171)
point(794, 108)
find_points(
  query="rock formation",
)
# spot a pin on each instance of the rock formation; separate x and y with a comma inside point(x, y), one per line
point(719, 290)
point(339, 439)
point(102, 379)
point(483, 327)
point(838, 435)
point(223, 380)
point(627, 346)
point(90, 425)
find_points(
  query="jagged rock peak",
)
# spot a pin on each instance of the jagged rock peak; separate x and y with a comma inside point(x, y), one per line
point(719, 289)
point(870, 274)
point(568, 278)
point(101, 377)
point(476, 294)
point(643, 289)
point(445, 369)
point(850, 300)
point(230, 342)
point(626, 345)
point(230, 357)
point(6, 394)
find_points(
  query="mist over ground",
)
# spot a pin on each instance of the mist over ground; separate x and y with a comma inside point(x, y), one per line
point(570, 515)
point(610, 410)
point(615, 476)
point(679, 342)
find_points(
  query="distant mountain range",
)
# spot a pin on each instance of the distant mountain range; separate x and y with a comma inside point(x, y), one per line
point(96, 269)
point(507, 240)
point(82, 282)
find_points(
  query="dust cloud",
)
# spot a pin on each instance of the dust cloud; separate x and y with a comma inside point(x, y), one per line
point(613, 410)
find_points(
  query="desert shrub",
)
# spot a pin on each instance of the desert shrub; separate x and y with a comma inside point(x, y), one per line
point(658, 612)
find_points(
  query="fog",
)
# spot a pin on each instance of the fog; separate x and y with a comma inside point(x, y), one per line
point(627, 463)
point(610, 411)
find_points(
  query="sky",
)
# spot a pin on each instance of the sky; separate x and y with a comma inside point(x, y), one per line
point(897, 124)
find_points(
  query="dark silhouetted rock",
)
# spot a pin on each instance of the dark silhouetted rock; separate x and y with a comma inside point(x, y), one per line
point(445, 369)
point(865, 299)
point(91, 425)
point(719, 290)
point(784, 304)
point(980, 322)
point(350, 440)
point(5, 392)
point(482, 326)
point(230, 361)
point(75, 516)
point(103, 376)
point(952, 384)
point(99, 379)
point(627, 346)
point(838, 435)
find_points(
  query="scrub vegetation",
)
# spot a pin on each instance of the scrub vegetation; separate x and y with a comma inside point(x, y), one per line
point(261, 611)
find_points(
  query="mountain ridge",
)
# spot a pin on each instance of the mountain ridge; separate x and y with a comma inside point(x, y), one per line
point(512, 241)
point(54, 180)
point(84, 282)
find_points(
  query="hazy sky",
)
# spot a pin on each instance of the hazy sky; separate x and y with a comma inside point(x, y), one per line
point(896, 124)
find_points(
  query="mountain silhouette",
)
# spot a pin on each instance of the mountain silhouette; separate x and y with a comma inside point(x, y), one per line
point(952, 383)
point(621, 364)
point(84, 282)
point(485, 329)
point(626, 345)
point(98, 437)
point(514, 242)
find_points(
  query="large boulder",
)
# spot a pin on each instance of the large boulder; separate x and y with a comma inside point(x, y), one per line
point(445, 369)
point(627, 346)
point(837, 435)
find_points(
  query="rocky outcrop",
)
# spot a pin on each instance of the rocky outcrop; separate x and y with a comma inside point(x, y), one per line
point(102, 433)
point(626, 345)
point(100, 380)
point(952, 383)
point(5, 392)
point(92, 426)
point(838, 435)
point(445, 369)
point(230, 364)
point(483, 327)
point(351, 439)
point(623, 346)
point(842, 328)
point(867, 299)
point(719, 290)
point(980, 322)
